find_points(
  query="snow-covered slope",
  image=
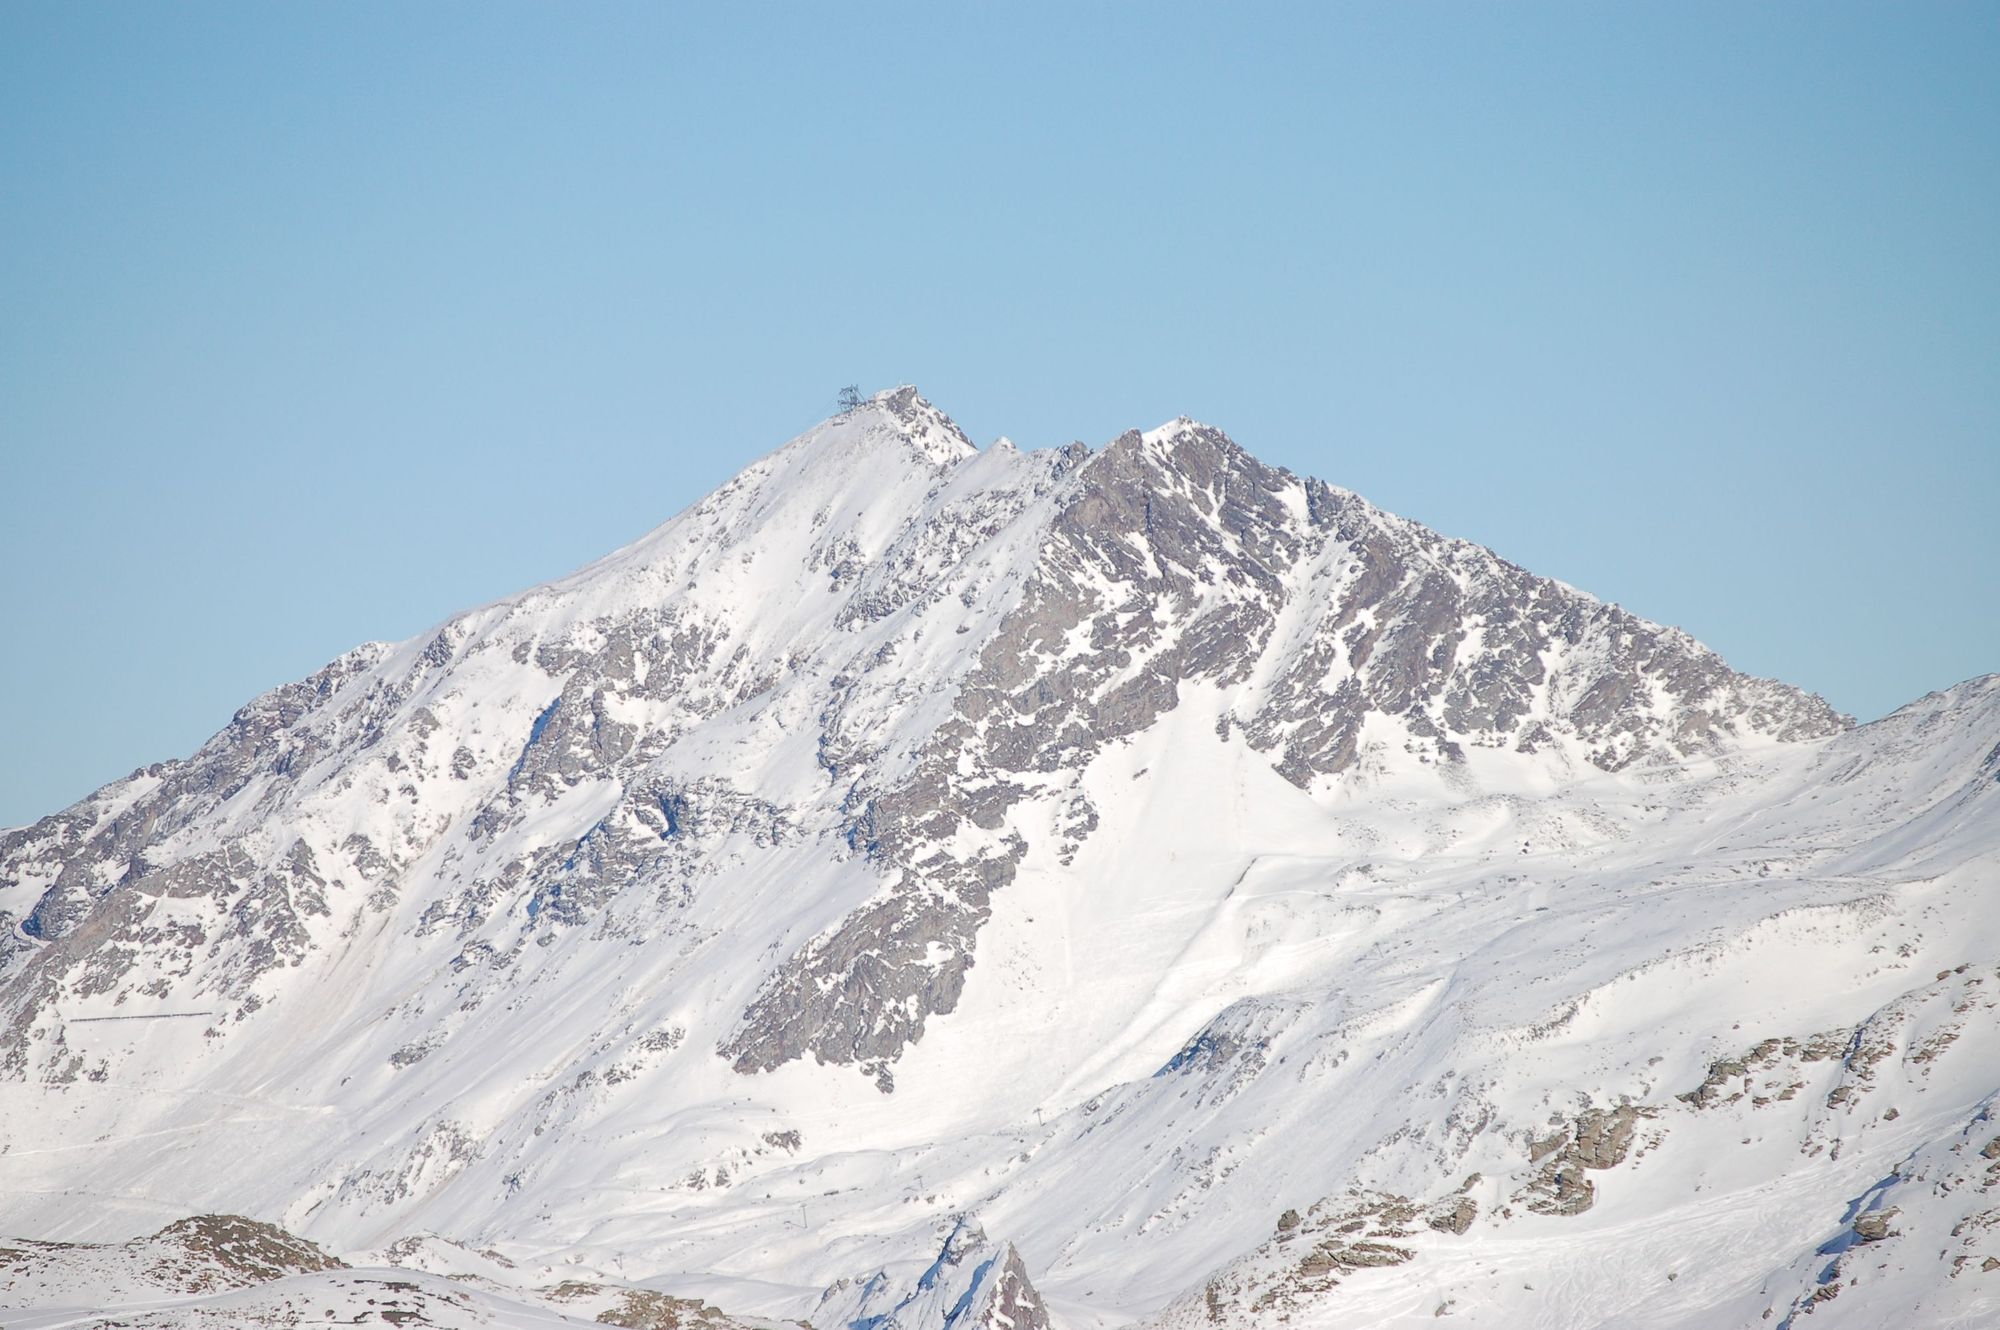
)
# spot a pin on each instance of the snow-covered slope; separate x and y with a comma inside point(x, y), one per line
point(921, 885)
point(231, 1272)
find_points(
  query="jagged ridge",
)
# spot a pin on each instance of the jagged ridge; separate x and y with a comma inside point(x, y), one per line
point(860, 761)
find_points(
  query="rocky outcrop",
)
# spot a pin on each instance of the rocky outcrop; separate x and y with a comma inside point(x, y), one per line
point(1006, 1299)
point(1312, 1253)
point(1875, 1225)
point(972, 1283)
point(1452, 1216)
point(639, 1309)
point(1753, 1074)
point(227, 1271)
point(1597, 1138)
point(200, 1254)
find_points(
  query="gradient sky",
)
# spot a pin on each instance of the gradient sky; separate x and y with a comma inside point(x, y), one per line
point(321, 322)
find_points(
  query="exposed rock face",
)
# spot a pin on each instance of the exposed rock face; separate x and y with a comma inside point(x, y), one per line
point(640, 1309)
point(1007, 1299)
point(1172, 560)
point(1730, 1080)
point(1311, 1254)
point(1599, 1138)
point(1875, 1226)
point(1453, 1216)
point(973, 1283)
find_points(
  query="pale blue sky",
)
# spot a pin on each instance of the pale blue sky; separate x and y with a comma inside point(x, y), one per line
point(321, 322)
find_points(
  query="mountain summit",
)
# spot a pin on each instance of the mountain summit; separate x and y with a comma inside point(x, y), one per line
point(1241, 901)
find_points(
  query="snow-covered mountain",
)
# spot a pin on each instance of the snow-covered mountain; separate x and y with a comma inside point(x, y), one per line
point(921, 886)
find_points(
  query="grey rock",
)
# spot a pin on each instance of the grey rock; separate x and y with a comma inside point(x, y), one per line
point(1596, 1139)
point(1453, 1216)
point(1874, 1226)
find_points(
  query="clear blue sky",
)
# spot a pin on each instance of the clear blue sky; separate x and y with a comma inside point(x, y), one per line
point(321, 322)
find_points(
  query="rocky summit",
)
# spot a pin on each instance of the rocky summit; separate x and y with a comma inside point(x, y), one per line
point(921, 886)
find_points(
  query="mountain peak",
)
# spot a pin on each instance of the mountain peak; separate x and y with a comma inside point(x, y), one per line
point(904, 412)
point(1130, 816)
